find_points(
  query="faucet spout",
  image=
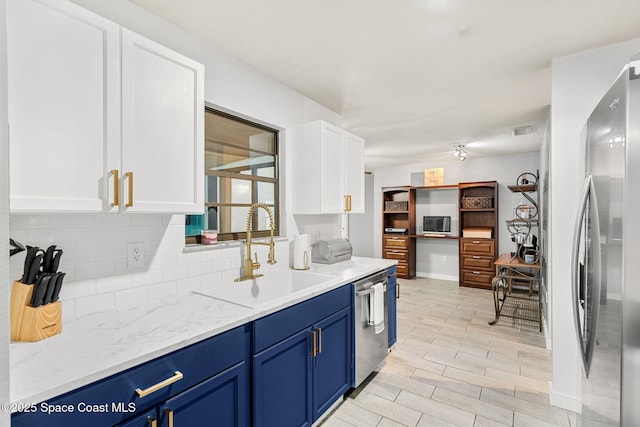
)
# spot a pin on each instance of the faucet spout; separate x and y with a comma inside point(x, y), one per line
point(249, 264)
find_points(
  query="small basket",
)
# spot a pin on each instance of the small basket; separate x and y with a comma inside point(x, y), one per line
point(477, 202)
point(396, 206)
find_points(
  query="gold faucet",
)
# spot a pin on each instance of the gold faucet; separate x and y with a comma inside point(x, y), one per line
point(249, 264)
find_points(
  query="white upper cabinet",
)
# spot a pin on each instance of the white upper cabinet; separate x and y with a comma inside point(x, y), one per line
point(64, 95)
point(100, 118)
point(328, 170)
point(162, 128)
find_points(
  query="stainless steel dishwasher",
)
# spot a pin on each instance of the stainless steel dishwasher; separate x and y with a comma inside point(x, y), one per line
point(371, 347)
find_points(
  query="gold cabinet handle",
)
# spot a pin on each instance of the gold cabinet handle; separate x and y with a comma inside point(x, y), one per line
point(349, 200)
point(177, 376)
point(314, 352)
point(319, 340)
point(116, 188)
point(169, 413)
point(346, 203)
point(129, 176)
point(152, 422)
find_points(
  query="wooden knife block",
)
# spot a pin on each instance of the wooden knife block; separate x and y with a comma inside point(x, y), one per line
point(33, 323)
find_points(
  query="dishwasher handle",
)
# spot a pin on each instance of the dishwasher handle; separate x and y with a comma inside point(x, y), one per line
point(369, 291)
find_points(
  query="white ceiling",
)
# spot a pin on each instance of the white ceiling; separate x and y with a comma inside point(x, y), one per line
point(413, 77)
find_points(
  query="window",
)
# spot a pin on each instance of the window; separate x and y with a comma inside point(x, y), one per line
point(241, 168)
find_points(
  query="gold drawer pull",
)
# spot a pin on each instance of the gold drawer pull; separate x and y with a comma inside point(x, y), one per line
point(169, 413)
point(130, 181)
point(476, 257)
point(319, 340)
point(476, 272)
point(314, 351)
point(476, 241)
point(116, 188)
point(177, 376)
point(152, 422)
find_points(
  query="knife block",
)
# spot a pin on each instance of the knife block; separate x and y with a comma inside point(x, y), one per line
point(33, 323)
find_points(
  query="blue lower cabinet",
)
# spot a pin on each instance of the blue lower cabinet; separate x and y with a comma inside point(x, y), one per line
point(332, 367)
point(282, 383)
point(216, 369)
point(221, 401)
point(298, 377)
point(392, 315)
point(149, 419)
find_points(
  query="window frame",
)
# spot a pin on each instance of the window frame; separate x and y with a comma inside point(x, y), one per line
point(254, 179)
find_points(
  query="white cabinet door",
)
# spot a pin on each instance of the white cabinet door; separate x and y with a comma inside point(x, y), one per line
point(328, 170)
point(162, 128)
point(63, 106)
point(354, 172)
point(332, 170)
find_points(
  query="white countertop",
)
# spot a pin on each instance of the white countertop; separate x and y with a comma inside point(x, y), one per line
point(102, 344)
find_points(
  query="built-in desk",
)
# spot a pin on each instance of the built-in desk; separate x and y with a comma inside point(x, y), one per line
point(516, 290)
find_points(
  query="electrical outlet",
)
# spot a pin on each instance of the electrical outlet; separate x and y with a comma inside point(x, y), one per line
point(135, 255)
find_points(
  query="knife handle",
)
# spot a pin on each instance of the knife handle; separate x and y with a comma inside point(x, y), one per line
point(116, 188)
point(39, 290)
point(56, 289)
point(48, 295)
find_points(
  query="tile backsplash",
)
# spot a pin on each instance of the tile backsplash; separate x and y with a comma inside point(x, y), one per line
point(95, 258)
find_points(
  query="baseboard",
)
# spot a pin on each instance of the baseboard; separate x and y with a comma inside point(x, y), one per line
point(564, 401)
point(437, 276)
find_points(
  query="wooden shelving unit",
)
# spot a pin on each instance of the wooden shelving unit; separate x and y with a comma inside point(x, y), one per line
point(399, 246)
point(478, 254)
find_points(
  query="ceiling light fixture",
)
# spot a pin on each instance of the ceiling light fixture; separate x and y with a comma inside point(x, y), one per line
point(459, 152)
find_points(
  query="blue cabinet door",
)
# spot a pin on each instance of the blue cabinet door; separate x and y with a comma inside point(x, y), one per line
point(332, 364)
point(282, 383)
point(148, 419)
point(392, 313)
point(220, 401)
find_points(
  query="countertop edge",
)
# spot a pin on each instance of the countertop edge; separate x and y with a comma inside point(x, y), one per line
point(186, 339)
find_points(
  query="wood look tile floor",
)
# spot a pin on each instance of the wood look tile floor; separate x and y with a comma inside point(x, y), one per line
point(451, 368)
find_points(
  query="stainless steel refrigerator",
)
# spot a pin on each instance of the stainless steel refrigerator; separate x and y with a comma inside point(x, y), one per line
point(606, 259)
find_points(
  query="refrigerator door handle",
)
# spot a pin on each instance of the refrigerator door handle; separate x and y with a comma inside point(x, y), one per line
point(597, 276)
point(575, 268)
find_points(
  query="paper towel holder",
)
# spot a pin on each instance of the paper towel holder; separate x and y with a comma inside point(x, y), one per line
point(305, 258)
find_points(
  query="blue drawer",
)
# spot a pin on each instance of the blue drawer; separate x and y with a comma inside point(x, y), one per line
point(196, 362)
point(284, 323)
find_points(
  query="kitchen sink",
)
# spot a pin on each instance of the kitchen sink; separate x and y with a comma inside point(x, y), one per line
point(273, 286)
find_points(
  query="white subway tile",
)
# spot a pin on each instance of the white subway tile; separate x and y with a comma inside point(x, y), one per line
point(144, 219)
point(176, 272)
point(189, 284)
point(113, 283)
point(94, 270)
point(147, 277)
point(72, 221)
point(95, 235)
point(188, 258)
point(229, 276)
point(132, 297)
point(199, 269)
point(73, 290)
point(113, 220)
point(177, 220)
point(29, 221)
point(162, 289)
point(210, 282)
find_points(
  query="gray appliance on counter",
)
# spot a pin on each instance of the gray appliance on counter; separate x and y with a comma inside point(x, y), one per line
point(331, 251)
point(606, 251)
point(371, 347)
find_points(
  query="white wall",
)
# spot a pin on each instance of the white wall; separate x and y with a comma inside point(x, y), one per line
point(95, 245)
point(4, 220)
point(578, 83)
point(429, 254)
point(361, 225)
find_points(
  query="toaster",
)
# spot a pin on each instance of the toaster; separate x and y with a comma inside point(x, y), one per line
point(331, 251)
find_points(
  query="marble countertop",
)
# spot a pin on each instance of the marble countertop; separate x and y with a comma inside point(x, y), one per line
point(102, 344)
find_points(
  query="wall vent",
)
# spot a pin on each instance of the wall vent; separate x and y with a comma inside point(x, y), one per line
point(523, 130)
